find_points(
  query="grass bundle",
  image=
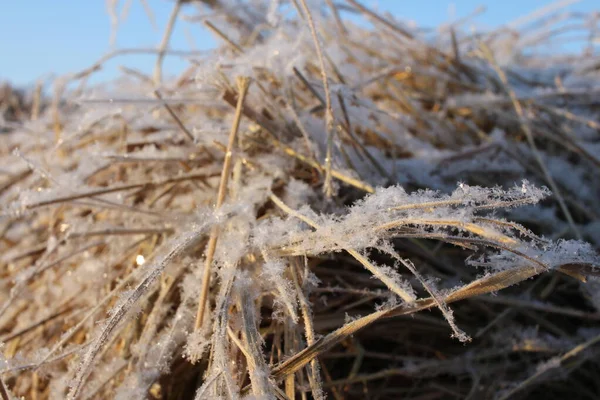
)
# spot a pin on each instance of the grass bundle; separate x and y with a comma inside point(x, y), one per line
point(310, 210)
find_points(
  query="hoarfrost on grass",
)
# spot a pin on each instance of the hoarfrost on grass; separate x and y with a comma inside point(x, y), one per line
point(286, 255)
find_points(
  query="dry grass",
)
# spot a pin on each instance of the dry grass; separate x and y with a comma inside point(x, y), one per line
point(239, 230)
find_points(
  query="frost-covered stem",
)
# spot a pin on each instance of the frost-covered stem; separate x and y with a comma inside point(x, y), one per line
point(529, 135)
point(465, 201)
point(289, 335)
point(328, 108)
point(314, 378)
point(37, 101)
point(174, 116)
point(59, 89)
point(444, 308)
point(111, 9)
point(4, 393)
point(162, 48)
point(292, 109)
point(388, 281)
point(243, 84)
point(336, 16)
point(257, 367)
point(458, 224)
point(153, 319)
point(207, 385)
point(149, 14)
point(219, 345)
point(223, 36)
point(281, 287)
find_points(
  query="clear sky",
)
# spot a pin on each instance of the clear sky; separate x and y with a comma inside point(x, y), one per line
point(43, 37)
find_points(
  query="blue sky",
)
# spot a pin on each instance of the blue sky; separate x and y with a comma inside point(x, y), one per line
point(41, 37)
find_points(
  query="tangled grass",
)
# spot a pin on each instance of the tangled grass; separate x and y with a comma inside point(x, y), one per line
point(290, 218)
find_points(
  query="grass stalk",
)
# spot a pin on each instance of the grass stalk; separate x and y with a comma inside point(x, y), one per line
point(243, 84)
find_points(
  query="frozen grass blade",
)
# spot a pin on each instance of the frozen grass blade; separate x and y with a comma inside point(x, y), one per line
point(164, 44)
point(4, 390)
point(329, 120)
point(257, 367)
point(314, 377)
point(243, 84)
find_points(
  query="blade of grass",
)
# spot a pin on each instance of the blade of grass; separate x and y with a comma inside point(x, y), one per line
point(329, 120)
point(243, 84)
